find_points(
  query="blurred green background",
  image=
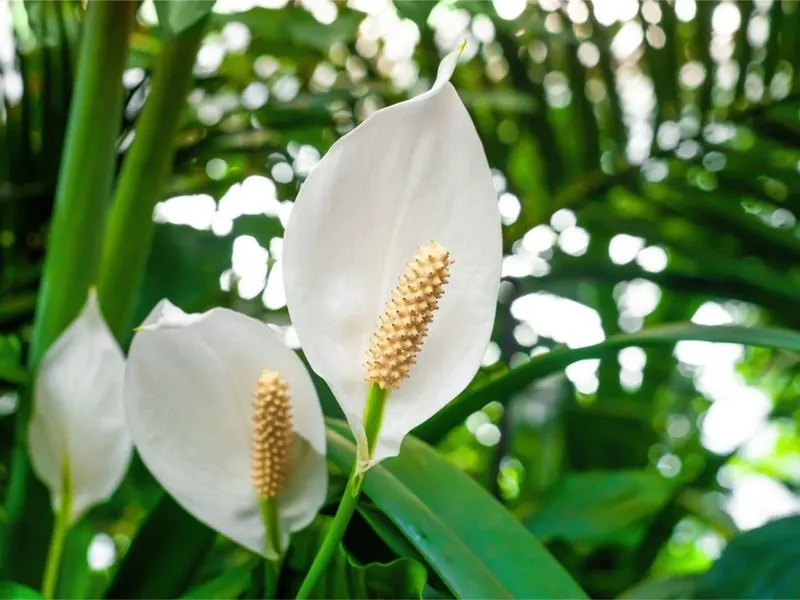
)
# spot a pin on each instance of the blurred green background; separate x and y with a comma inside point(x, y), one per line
point(646, 157)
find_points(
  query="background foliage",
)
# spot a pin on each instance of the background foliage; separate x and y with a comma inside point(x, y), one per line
point(647, 163)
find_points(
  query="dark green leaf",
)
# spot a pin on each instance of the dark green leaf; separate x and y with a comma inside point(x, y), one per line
point(11, 368)
point(761, 563)
point(388, 532)
point(600, 507)
point(344, 578)
point(474, 544)
point(668, 588)
point(161, 561)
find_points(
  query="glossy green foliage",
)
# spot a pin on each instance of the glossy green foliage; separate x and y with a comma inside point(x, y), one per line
point(345, 578)
point(761, 563)
point(671, 127)
point(471, 541)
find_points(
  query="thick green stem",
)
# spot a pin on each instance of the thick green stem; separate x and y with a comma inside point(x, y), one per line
point(73, 250)
point(272, 544)
point(87, 172)
point(144, 173)
point(373, 418)
point(60, 529)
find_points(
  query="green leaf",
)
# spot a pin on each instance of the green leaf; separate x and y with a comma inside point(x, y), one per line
point(475, 545)
point(388, 532)
point(15, 591)
point(175, 16)
point(501, 387)
point(184, 266)
point(668, 588)
point(761, 563)
point(162, 559)
point(230, 584)
point(344, 578)
point(11, 369)
point(601, 506)
point(291, 28)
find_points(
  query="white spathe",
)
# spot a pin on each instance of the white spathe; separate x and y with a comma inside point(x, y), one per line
point(412, 173)
point(78, 421)
point(189, 397)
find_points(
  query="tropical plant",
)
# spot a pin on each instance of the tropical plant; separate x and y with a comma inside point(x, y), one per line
point(637, 408)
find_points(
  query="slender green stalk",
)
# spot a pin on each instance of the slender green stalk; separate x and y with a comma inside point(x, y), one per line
point(373, 418)
point(82, 193)
point(60, 529)
point(272, 544)
point(144, 172)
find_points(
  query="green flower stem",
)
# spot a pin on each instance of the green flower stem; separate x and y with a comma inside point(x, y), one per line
point(73, 250)
point(272, 543)
point(147, 166)
point(62, 522)
point(373, 414)
point(373, 418)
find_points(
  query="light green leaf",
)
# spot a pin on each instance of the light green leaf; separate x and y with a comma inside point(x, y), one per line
point(475, 545)
point(174, 16)
point(502, 386)
point(10, 590)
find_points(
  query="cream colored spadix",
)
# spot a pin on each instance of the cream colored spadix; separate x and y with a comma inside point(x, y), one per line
point(224, 415)
point(411, 173)
point(78, 433)
point(403, 326)
point(272, 435)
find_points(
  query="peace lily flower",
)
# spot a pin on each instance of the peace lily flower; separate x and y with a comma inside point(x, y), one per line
point(228, 421)
point(78, 440)
point(411, 183)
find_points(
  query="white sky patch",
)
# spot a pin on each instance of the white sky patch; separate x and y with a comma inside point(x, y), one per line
point(624, 248)
point(509, 207)
point(583, 375)
point(637, 298)
point(249, 262)
point(563, 219)
point(102, 552)
point(574, 241)
point(652, 259)
point(539, 239)
point(757, 499)
point(492, 354)
point(196, 211)
point(712, 313)
point(509, 9)
point(274, 296)
point(560, 319)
